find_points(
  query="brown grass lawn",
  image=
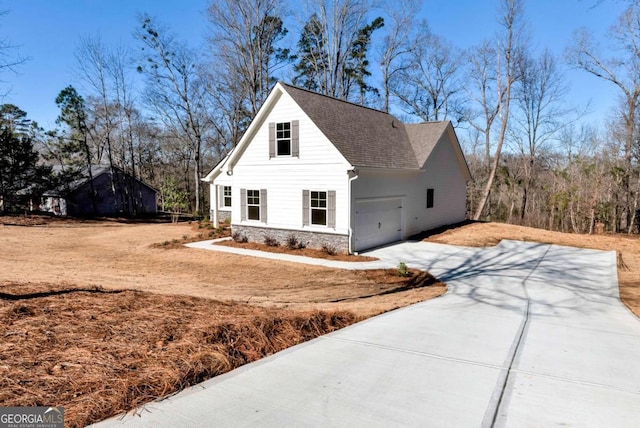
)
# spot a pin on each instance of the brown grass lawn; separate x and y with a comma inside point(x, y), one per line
point(99, 320)
point(627, 247)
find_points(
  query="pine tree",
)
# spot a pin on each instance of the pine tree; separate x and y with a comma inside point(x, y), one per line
point(73, 114)
point(332, 54)
point(21, 178)
point(312, 57)
point(357, 67)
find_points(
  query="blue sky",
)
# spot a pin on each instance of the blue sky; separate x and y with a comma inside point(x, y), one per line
point(50, 36)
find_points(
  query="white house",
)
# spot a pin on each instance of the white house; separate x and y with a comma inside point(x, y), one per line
point(330, 171)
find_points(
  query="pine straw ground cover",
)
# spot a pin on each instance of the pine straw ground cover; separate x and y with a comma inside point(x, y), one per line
point(307, 252)
point(102, 352)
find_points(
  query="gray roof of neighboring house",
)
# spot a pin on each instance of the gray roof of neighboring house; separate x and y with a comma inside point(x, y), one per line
point(96, 171)
point(367, 137)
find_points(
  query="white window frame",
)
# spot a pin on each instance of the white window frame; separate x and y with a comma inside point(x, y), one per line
point(223, 202)
point(325, 208)
point(281, 137)
point(253, 194)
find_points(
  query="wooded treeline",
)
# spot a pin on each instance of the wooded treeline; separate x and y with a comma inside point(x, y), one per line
point(166, 111)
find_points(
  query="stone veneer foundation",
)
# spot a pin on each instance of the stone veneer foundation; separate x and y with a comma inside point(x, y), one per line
point(223, 216)
point(311, 239)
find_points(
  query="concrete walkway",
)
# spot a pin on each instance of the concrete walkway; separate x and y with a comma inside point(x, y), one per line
point(377, 264)
point(528, 335)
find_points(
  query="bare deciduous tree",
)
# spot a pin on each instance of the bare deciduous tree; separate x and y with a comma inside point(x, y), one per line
point(175, 91)
point(622, 69)
point(538, 115)
point(244, 41)
point(483, 91)
point(403, 36)
point(430, 86)
point(509, 53)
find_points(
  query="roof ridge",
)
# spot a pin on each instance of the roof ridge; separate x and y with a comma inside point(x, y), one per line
point(339, 99)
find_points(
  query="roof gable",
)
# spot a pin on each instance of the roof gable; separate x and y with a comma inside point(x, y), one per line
point(364, 136)
point(426, 136)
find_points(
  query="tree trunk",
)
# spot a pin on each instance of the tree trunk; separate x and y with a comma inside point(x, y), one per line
point(87, 153)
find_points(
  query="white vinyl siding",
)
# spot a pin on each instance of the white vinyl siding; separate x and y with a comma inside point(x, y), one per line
point(319, 166)
point(441, 174)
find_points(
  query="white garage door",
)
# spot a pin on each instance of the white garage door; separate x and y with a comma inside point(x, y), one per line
point(377, 222)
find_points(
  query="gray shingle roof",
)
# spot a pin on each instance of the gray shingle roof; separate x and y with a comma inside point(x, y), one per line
point(367, 137)
point(423, 138)
point(83, 178)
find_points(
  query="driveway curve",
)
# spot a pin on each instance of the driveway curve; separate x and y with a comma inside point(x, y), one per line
point(527, 335)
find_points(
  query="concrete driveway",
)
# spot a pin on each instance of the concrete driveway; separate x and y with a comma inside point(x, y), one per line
point(528, 335)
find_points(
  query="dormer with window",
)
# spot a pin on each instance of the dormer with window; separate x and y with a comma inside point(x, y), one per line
point(284, 140)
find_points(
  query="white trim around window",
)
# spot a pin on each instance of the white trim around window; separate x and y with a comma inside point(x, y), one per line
point(253, 204)
point(225, 197)
point(318, 208)
point(283, 139)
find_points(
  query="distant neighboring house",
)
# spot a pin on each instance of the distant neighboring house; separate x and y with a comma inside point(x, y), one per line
point(117, 193)
point(333, 172)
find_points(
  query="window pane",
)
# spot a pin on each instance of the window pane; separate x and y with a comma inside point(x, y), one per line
point(226, 199)
point(319, 217)
point(284, 148)
point(253, 197)
point(283, 130)
point(253, 212)
point(318, 199)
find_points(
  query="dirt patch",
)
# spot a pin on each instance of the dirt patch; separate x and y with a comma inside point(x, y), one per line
point(119, 256)
point(64, 221)
point(307, 252)
point(101, 354)
point(488, 234)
